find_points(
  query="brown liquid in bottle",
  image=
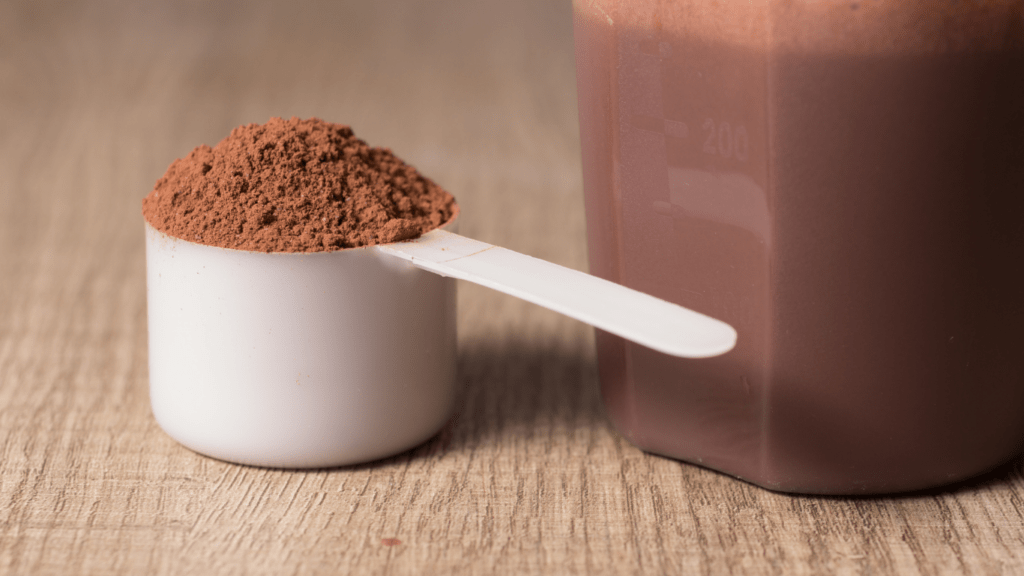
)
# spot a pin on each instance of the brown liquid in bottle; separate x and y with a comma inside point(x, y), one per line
point(844, 184)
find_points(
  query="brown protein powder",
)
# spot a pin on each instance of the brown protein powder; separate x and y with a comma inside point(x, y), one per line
point(295, 186)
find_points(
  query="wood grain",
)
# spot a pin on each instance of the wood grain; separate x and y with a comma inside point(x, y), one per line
point(97, 99)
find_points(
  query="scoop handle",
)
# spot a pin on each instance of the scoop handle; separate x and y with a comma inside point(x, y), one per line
point(633, 315)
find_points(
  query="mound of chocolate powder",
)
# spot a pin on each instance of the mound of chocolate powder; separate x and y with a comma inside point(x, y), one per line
point(294, 186)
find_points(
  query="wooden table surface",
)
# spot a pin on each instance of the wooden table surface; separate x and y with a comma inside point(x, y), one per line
point(97, 99)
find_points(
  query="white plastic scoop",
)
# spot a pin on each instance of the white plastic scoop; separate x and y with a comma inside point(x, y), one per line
point(633, 315)
point(306, 360)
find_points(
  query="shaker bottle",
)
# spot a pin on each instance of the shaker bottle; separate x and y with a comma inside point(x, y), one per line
point(843, 182)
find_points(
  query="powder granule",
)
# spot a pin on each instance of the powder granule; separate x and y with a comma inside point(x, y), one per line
point(295, 186)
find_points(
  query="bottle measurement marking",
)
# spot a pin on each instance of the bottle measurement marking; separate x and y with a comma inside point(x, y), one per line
point(722, 139)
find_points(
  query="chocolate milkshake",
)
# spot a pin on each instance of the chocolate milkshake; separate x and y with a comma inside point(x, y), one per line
point(843, 182)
